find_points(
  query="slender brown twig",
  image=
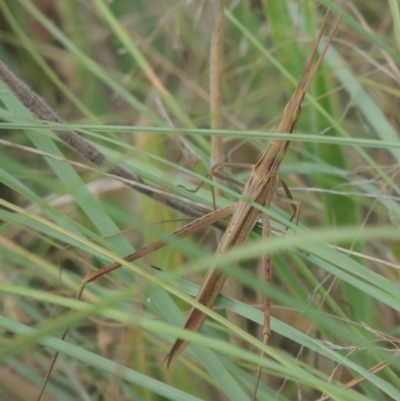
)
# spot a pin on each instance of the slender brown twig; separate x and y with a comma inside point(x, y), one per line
point(88, 151)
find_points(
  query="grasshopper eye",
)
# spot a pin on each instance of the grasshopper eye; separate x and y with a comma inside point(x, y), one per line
point(296, 113)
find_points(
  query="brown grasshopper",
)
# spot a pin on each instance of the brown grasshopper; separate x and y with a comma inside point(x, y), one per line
point(260, 188)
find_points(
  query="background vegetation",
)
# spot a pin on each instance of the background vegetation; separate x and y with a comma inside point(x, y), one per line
point(111, 68)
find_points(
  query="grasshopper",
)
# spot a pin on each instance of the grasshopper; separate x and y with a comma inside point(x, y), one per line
point(260, 188)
